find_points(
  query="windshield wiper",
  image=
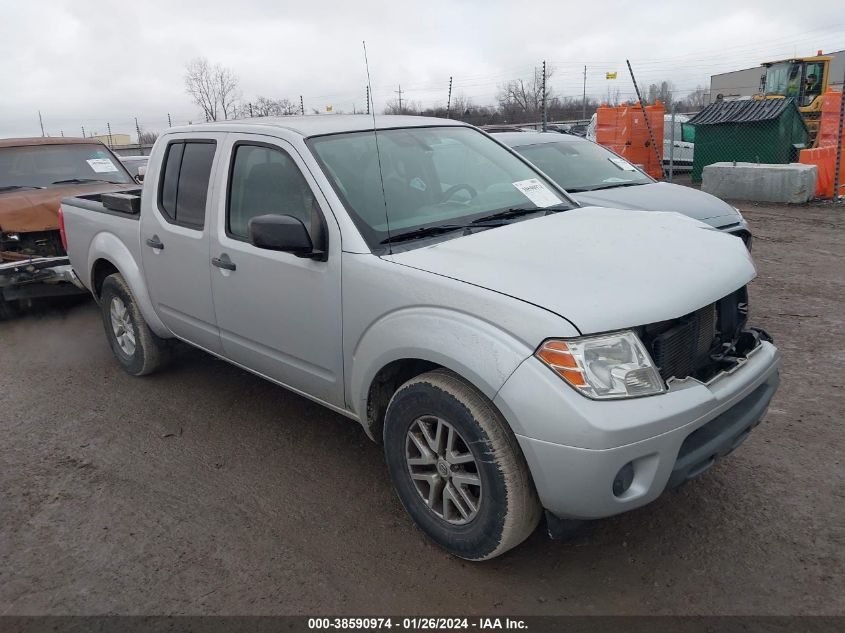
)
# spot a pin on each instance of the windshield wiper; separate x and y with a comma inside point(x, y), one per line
point(84, 180)
point(13, 187)
point(612, 185)
point(516, 212)
point(428, 231)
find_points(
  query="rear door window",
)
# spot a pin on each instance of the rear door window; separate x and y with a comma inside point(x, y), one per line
point(184, 186)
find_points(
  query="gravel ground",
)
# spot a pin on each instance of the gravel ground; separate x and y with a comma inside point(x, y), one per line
point(206, 490)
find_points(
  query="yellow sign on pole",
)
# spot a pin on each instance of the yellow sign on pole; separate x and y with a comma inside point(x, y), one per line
point(611, 75)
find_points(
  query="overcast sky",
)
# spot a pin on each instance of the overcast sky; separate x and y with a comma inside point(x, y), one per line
point(87, 63)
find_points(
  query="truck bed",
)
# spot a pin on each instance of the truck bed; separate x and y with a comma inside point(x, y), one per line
point(91, 225)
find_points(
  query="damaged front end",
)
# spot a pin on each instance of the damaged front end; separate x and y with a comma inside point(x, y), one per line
point(704, 344)
point(33, 265)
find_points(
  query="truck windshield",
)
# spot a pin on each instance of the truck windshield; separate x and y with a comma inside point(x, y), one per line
point(582, 165)
point(432, 177)
point(52, 165)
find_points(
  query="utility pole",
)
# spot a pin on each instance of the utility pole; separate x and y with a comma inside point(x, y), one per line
point(41, 121)
point(449, 99)
point(544, 97)
point(301, 105)
point(584, 98)
point(169, 123)
point(399, 92)
point(108, 127)
point(368, 99)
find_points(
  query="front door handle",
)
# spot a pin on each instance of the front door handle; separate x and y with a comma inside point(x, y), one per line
point(154, 242)
point(226, 264)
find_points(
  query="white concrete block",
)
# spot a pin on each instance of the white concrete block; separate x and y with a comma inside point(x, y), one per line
point(794, 183)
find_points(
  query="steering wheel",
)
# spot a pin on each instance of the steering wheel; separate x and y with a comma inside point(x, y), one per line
point(451, 191)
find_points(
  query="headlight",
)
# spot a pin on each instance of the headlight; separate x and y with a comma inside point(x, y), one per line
point(603, 367)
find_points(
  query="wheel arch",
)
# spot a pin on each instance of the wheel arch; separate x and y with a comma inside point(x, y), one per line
point(107, 255)
point(405, 344)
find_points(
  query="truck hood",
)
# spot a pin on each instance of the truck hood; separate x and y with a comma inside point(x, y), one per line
point(663, 196)
point(601, 269)
point(28, 210)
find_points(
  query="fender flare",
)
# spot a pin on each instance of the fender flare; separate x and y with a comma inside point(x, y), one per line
point(475, 349)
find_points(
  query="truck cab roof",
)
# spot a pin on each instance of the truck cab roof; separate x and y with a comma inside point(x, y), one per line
point(311, 125)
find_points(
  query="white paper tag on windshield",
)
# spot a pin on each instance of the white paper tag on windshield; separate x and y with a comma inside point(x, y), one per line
point(101, 165)
point(622, 163)
point(537, 192)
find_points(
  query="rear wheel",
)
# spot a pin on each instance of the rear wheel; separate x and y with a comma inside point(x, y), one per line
point(457, 467)
point(138, 350)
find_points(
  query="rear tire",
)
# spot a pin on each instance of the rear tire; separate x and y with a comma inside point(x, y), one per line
point(474, 498)
point(137, 348)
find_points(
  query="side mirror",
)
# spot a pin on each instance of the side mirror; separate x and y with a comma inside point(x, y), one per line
point(282, 233)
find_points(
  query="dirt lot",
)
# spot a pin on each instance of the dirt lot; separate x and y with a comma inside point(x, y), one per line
point(204, 489)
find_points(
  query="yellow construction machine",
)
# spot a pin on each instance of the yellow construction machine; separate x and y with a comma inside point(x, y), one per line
point(802, 78)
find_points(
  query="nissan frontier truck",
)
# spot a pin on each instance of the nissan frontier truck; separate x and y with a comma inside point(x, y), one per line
point(516, 354)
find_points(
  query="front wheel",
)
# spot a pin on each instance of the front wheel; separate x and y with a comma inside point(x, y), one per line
point(457, 467)
point(137, 348)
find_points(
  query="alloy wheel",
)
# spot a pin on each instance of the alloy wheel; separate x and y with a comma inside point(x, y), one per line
point(121, 324)
point(443, 470)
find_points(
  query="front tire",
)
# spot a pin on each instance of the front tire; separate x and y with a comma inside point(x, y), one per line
point(137, 348)
point(458, 468)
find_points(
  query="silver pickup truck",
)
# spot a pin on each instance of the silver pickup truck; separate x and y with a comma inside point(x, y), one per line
point(513, 352)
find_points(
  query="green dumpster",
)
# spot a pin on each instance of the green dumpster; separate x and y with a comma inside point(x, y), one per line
point(752, 131)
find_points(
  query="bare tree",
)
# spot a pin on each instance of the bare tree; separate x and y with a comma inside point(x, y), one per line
point(213, 88)
point(696, 99)
point(199, 84)
point(264, 106)
point(147, 138)
point(227, 91)
point(521, 100)
point(461, 105)
point(408, 107)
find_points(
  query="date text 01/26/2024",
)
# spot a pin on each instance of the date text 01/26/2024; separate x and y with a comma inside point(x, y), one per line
point(416, 624)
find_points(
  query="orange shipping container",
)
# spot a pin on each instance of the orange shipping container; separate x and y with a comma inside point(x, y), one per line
point(623, 130)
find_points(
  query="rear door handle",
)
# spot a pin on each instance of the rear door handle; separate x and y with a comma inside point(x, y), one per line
point(226, 264)
point(154, 242)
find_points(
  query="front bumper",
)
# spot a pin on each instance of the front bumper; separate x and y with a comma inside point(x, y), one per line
point(38, 277)
point(575, 447)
